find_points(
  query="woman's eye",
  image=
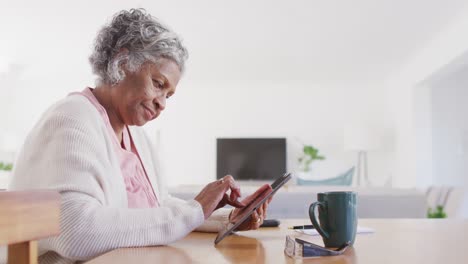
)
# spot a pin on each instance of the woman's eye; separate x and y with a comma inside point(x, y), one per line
point(158, 84)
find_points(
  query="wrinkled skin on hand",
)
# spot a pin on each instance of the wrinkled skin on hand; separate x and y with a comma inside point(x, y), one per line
point(256, 219)
point(214, 195)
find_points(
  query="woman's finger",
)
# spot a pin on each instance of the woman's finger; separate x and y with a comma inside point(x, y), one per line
point(269, 199)
point(235, 190)
point(256, 194)
point(228, 200)
point(262, 188)
point(259, 221)
point(260, 212)
point(223, 202)
point(234, 195)
point(265, 209)
point(235, 203)
point(229, 183)
point(255, 219)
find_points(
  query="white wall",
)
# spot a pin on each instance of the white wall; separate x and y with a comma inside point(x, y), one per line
point(312, 113)
point(443, 49)
point(297, 68)
point(450, 130)
point(423, 129)
point(198, 114)
point(239, 83)
point(441, 130)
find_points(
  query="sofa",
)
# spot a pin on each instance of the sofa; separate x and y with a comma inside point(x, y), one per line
point(293, 201)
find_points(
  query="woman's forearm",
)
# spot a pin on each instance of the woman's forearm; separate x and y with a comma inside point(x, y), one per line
point(89, 229)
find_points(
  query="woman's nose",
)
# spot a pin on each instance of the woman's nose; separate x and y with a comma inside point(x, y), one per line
point(160, 102)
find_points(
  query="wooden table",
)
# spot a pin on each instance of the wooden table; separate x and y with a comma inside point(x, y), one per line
point(394, 241)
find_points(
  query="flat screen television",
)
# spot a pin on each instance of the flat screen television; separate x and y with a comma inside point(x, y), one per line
point(254, 159)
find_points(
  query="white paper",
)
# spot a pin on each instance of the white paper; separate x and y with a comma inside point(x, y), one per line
point(313, 232)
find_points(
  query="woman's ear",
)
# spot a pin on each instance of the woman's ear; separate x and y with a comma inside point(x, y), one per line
point(122, 52)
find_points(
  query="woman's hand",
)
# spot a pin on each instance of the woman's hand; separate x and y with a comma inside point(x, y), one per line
point(214, 195)
point(257, 217)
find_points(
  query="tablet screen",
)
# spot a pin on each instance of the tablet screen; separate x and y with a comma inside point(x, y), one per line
point(251, 207)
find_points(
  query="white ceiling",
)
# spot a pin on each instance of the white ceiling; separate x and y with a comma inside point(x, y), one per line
point(360, 41)
point(316, 40)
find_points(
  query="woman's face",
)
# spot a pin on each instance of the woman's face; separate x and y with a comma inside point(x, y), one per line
point(141, 96)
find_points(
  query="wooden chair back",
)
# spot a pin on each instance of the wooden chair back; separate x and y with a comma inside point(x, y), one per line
point(25, 217)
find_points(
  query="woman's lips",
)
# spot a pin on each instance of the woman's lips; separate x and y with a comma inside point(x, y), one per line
point(150, 114)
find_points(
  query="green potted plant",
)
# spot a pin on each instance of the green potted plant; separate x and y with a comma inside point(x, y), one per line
point(437, 213)
point(6, 166)
point(5, 173)
point(309, 155)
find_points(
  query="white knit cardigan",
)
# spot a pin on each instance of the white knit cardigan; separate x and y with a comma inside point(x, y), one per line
point(70, 150)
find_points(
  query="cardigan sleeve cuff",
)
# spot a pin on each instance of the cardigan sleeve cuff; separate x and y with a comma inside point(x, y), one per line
point(216, 222)
point(199, 216)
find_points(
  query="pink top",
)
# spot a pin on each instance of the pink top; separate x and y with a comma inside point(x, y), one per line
point(139, 190)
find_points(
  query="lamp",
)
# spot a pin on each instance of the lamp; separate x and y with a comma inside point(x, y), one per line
point(361, 138)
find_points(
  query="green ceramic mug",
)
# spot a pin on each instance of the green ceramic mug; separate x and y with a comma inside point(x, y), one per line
point(338, 218)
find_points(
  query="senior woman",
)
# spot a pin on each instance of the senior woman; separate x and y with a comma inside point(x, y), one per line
point(89, 146)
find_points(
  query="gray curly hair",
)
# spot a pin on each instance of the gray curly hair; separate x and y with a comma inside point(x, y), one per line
point(145, 38)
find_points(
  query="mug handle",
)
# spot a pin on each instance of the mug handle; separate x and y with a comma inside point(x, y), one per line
point(313, 218)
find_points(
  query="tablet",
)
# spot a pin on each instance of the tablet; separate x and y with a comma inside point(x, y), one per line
point(278, 183)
